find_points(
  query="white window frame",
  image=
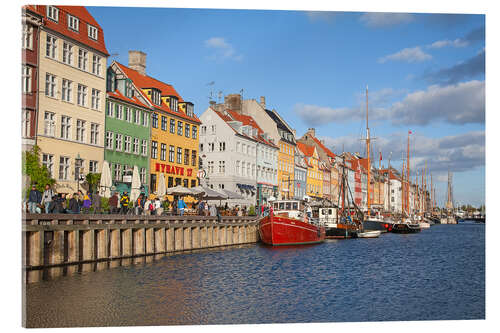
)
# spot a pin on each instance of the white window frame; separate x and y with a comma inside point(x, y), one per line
point(110, 110)
point(48, 162)
point(51, 47)
point(67, 56)
point(94, 133)
point(142, 175)
point(64, 165)
point(66, 90)
point(135, 146)
point(128, 114)
point(163, 152)
point(73, 23)
point(137, 116)
point(50, 85)
point(53, 13)
point(26, 123)
point(27, 36)
point(96, 64)
point(66, 127)
point(109, 140)
point(118, 142)
point(83, 58)
point(96, 99)
point(144, 148)
point(119, 112)
point(127, 144)
point(49, 123)
point(80, 130)
point(82, 95)
point(93, 166)
point(92, 32)
point(27, 79)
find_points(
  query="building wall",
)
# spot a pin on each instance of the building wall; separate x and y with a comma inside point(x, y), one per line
point(314, 178)
point(55, 145)
point(126, 128)
point(286, 163)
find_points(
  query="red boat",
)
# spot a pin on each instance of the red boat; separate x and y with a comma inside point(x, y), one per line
point(286, 224)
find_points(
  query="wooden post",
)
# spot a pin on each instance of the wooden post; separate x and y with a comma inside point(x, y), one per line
point(215, 236)
point(102, 243)
point(179, 239)
point(187, 238)
point(170, 237)
point(36, 249)
point(115, 243)
point(139, 241)
point(88, 251)
point(159, 240)
point(126, 242)
point(204, 237)
point(196, 238)
point(150, 241)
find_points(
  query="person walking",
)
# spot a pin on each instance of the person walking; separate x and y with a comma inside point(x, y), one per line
point(74, 207)
point(113, 203)
point(181, 205)
point(34, 199)
point(96, 202)
point(158, 207)
point(47, 198)
point(124, 201)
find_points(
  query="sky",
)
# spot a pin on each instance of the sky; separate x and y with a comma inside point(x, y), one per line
point(425, 73)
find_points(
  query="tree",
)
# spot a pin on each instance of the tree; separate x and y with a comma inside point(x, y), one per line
point(93, 180)
point(38, 173)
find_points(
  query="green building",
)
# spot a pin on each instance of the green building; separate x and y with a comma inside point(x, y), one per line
point(128, 131)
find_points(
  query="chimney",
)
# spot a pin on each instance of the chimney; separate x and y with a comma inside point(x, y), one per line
point(233, 102)
point(212, 103)
point(311, 131)
point(263, 101)
point(137, 61)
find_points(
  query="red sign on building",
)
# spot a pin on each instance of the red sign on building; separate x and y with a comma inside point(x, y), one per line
point(172, 169)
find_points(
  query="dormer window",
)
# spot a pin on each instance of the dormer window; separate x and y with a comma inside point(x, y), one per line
point(92, 31)
point(156, 96)
point(174, 104)
point(129, 91)
point(73, 23)
point(111, 81)
point(189, 109)
point(53, 13)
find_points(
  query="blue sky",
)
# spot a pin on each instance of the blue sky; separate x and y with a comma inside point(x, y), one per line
point(425, 73)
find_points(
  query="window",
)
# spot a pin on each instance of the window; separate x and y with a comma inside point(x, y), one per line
point(174, 104)
point(48, 162)
point(172, 126)
point(187, 131)
point(53, 13)
point(222, 167)
point(201, 146)
point(51, 47)
point(144, 148)
point(210, 167)
point(118, 142)
point(109, 140)
point(213, 129)
point(82, 59)
point(119, 111)
point(154, 149)
point(82, 95)
point(193, 157)
point(73, 23)
point(67, 53)
point(50, 85)
point(145, 119)
point(163, 123)
point(237, 167)
point(27, 36)
point(189, 109)
point(63, 167)
point(179, 128)
point(195, 132)
point(96, 65)
point(185, 182)
point(96, 99)
point(66, 91)
point(238, 146)
point(92, 32)
point(94, 134)
point(163, 152)
point(109, 109)
point(142, 174)
point(80, 130)
point(193, 182)
point(170, 181)
point(211, 146)
point(203, 130)
point(171, 154)
point(26, 79)
point(127, 114)
point(179, 155)
point(136, 146)
point(129, 91)
point(26, 123)
point(65, 127)
point(128, 142)
point(186, 156)
point(50, 124)
point(155, 96)
point(154, 120)
point(222, 146)
point(93, 166)
point(137, 117)
point(118, 172)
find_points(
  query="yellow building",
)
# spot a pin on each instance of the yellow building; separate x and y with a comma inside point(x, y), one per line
point(174, 128)
point(72, 93)
point(286, 161)
point(314, 173)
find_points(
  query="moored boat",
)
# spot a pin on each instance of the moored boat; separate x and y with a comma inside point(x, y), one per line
point(287, 224)
point(406, 227)
point(368, 234)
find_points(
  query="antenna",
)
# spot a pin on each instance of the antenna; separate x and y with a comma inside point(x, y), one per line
point(219, 96)
point(211, 96)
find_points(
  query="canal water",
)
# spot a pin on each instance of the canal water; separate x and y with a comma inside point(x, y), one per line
point(438, 274)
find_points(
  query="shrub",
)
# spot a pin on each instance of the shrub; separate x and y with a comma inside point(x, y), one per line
point(251, 211)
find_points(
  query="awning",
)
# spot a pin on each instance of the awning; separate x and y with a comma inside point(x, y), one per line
point(246, 187)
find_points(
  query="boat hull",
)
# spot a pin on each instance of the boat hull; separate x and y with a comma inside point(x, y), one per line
point(278, 230)
point(340, 231)
point(405, 228)
point(369, 234)
point(371, 225)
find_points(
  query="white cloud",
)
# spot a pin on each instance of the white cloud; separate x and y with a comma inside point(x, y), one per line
point(461, 103)
point(414, 54)
point(322, 15)
point(378, 20)
point(444, 43)
point(223, 50)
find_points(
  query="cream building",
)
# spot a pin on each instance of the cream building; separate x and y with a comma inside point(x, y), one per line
point(71, 106)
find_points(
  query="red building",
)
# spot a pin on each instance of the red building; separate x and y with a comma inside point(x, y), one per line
point(31, 22)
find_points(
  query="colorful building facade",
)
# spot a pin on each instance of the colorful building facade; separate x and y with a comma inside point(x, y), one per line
point(71, 99)
point(314, 177)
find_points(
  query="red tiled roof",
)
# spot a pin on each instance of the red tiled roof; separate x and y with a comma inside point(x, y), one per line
point(117, 94)
point(306, 149)
point(145, 81)
point(322, 146)
point(82, 35)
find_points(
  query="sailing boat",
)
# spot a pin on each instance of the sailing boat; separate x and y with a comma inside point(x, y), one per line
point(371, 223)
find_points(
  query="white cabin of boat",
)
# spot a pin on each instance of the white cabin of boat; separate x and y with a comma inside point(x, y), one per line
point(289, 208)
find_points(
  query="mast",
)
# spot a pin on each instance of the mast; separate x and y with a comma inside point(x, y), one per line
point(389, 184)
point(408, 174)
point(402, 188)
point(368, 154)
point(379, 177)
point(432, 197)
